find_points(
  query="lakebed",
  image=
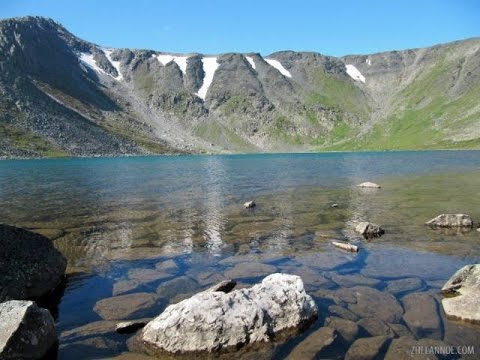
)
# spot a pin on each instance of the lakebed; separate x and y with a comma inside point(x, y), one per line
point(140, 233)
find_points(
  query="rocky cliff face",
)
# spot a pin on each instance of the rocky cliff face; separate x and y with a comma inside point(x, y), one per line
point(63, 96)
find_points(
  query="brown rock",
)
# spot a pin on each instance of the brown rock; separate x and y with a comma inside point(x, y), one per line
point(367, 348)
point(128, 306)
point(313, 344)
point(421, 315)
point(347, 329)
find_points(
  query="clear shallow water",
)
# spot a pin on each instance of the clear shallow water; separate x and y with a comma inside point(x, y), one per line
point(116, 219)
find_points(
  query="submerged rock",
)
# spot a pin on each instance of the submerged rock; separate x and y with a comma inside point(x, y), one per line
point(421, 315)
point(313, 344)
point(126, 307)
point(347, 329)
point(30, 265)
point(367, 348)
point(369, 230)
point(369, 184)
point(464, 285)
point(403, 285)
point(213, 320)
point(451, 220)
point(26, 331)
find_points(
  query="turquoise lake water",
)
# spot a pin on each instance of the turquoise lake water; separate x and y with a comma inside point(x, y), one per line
point(117, 219)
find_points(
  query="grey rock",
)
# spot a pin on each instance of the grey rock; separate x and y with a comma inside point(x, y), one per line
point(464, 285)
point(369, 230)
point(213, 321)
point(26, 331)
point(347, 329)
point(313, 345)
point(451, 220)
point(180, 285)
point(366, 348)
point(168, 266)
point(421, 315)
point(125, 286)
point(31, 266)
point(147, 275)
point(404, 285)
point(125, 307)
point(369, 302)
point(353, 280)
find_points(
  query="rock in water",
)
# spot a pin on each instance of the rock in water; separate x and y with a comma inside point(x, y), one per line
point(451, 220)
point(465, 284)
point(31, 266)
point(369, 230)
point(369, 185)
point(211, 321)
point(249, 204)
point(26, 331)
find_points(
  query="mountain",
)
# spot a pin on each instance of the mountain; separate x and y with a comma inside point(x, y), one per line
point(62, 96)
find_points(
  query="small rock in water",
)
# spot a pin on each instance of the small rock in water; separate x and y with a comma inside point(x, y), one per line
point(465, 284)
point(369, 185)
point(26, 331)
point(369, 230)
point(249, 204)
point(217, 321)
point(451, 220)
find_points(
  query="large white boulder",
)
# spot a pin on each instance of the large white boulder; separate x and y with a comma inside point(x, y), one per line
point(463, 289)
point(210, 321)
point(26, 331)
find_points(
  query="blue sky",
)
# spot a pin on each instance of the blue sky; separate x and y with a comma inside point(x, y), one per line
point(210, 27)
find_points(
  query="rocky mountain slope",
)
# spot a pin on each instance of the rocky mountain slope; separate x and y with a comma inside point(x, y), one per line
point(62, 96)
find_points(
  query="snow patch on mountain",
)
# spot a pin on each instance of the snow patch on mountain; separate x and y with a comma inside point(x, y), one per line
point(250, 60)
point(115, 64)
point(181, 61)
point(88, 60)
point(210, 65)
point(277, 65)
point(354, 73)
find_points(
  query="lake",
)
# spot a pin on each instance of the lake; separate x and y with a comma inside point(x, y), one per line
point(167, 227)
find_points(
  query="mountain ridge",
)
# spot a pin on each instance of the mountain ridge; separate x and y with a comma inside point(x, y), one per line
point(81, 99)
